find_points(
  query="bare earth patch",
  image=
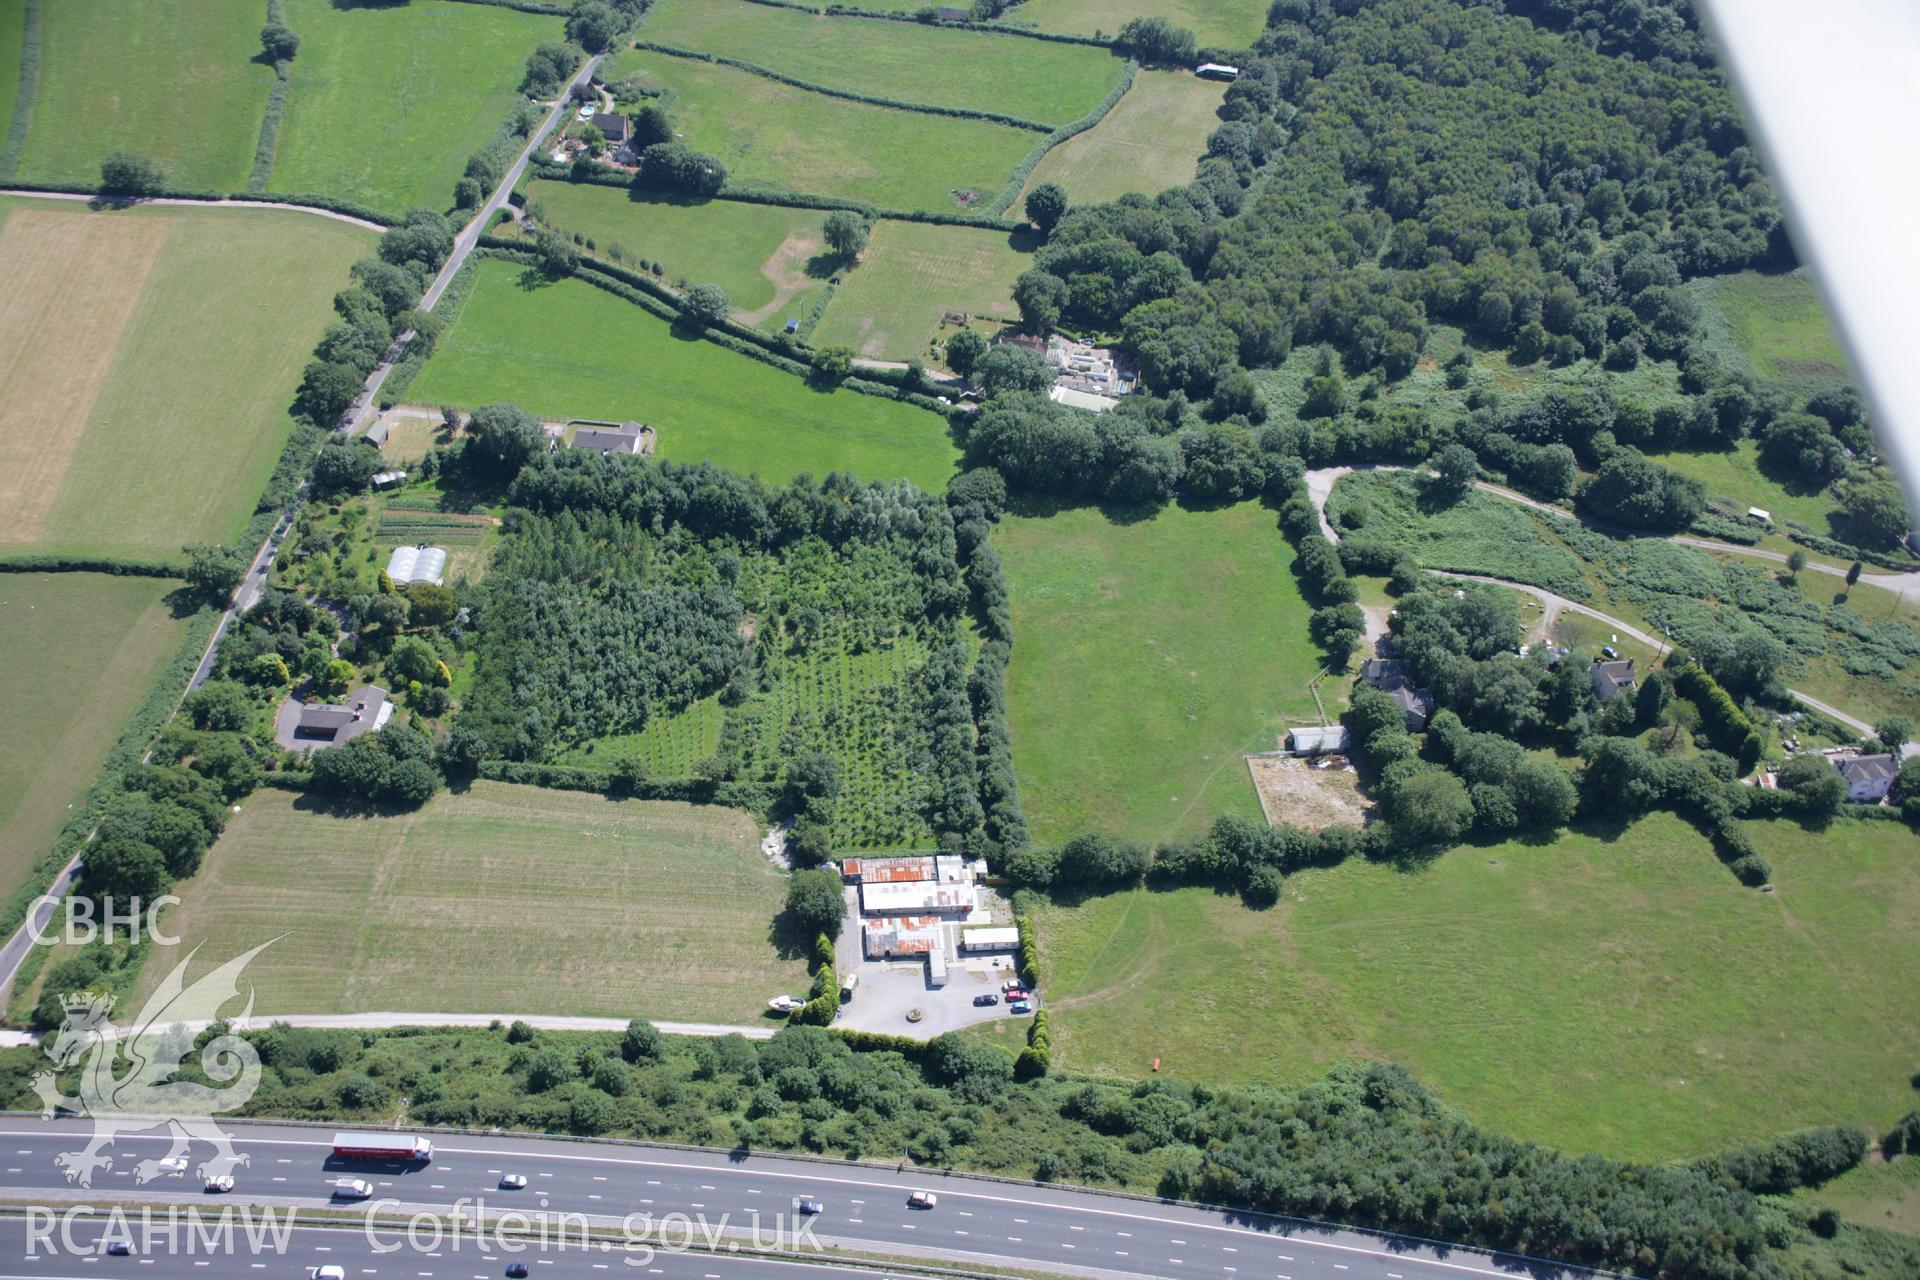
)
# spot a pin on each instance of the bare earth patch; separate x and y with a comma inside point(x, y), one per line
point(65, 300)
point(1294, 792)
point(786, 270)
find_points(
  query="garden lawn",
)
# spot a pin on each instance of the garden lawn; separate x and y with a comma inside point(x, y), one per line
point(565, 349)
point(78, 653)
point(907, 62)
point(1622, 995)
point(1151, 140)
point(147, 359)
point(501, 899)
point(775, 136)
point(387, 102)
point(910, 275)
point(1229, 24)
point(178, 81)
point(1775, 326)
point(765, 256)
point(1148, 659)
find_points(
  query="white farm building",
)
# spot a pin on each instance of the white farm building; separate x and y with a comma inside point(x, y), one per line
point(417, 564)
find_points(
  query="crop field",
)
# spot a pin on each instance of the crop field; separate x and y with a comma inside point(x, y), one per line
point(908, 62)
point(775, 136)
point(78, 653)
point(388, 101)
point(669, 747)
point(1230, 24)
point(1151, 140)
point(1148, 659)
point(142, 399)
point(181, 84)
point(913, 273)
point(565, 349)
point(1673, 1010)
point(499, 898)
point(767, 257)
point(1774, 325)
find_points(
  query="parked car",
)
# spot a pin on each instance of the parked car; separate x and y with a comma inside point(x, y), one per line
point(809, 1206)
point(982, 1002)
point(1020, 1006)
point(223, 1183)
point(922, 1200)
point(352, 1189)
point(513, 1182)
point(1019, 993)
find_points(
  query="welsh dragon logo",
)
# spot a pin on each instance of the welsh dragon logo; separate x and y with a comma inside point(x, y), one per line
point(127, 1075)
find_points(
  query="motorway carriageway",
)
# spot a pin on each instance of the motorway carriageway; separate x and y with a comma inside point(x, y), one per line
point(1045, 1229)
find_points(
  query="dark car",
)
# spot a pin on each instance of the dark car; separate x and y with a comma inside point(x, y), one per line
point(119, 1248)
point(517, 1270)
point(982, 1002)
point(809, 1206)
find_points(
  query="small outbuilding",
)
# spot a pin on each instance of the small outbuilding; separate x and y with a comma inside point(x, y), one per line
point(1761, 514)
point(1315, 740)
point(1216, 71)
point(376, 435)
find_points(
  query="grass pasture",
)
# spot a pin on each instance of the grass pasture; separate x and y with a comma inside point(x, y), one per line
point(143, 391)
point(772, 135)
point(565, 349)
point(1775, 326)
point(908, 62)
point(1736, 476)
point(13, 36)
point(913, 273)
point(1150, 141)
point(1229, 24)
point(501, 898)
point(1149, 658)
point(761, 254)
point(1673, 1010)
point(181, 82)
point(388, 101)
point(78, 653)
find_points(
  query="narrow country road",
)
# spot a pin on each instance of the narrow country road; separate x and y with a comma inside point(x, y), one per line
point(1320, 484)
point(204, 204)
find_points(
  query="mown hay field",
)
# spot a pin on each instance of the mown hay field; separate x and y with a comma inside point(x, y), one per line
point(1230, 24)
point(910, 275)
point(1151, 140)
point(147, 359)
point(564, 349)
point(500, 899)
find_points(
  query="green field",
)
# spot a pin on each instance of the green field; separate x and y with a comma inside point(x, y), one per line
point(387, 102)
point(771, 135)
point(761, 254)
point(669, 747)
point(913, 273)
point(1673, 1010)
point(1774, 326)
point(149, 358)
point(1229, 24)
point(1736, 476)
point(567, 349)
point(502, 898)
point(907, 62)
point(13, 33)
point(78, 653)
point(1151, 140)
point(1148, 659)
point(178, 82)
point(1875, 1194)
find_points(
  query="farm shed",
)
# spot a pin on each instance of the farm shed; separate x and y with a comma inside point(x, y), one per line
point(1080, 399)
point(376, 435)
point(895, 939)
point(1216, 71)
point(916, 898)
point(992, 939)
point(1315, 740)
point(417, 564)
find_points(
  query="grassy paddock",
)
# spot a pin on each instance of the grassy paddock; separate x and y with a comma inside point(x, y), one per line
point(785, 138)
point(1774, 325)
point(1151, 140)
point(908, 62)
point(179, 81)
point(387, 102)
point(13, 34)
point(143, 392)
point(910, 275)
point(1737, 477)
point(78, 652)
point(767, 257)
point(502, 899)
point(566, 349)
point(1148, 659)
point(1673, 1010)
point(1232, 24)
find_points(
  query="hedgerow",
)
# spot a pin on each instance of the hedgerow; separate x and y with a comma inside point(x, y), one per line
point(1024, 169)
point(91, 564)
point(1726, 725)
point(1844, 551)
point(264, 149)
point(872, 100)
point(921, 17)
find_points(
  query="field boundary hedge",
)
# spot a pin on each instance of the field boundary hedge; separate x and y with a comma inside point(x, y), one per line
point(162, 697)
point(301, 200)
point(546, 171)
point(1844, 551)
point(118, 567)
point(966, 24)
point(1025, 168)
point(28, 90)
point(524, 6)
point(750, 797)
point(872, 100)
point(269, 144)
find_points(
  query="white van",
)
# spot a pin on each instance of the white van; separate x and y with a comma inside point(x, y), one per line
point(352, 1189)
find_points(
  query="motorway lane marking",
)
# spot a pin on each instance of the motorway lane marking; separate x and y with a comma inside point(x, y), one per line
point(770, 1173)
